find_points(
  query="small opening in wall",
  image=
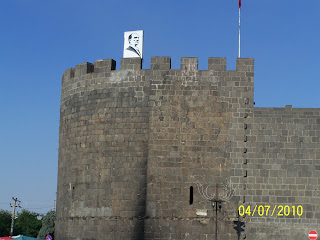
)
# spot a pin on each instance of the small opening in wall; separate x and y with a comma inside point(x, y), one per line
point(191, 195)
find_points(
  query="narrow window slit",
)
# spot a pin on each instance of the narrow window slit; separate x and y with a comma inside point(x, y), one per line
point(191, 195)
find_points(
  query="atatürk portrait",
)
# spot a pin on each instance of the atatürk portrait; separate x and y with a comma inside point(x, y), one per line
point(133, 40)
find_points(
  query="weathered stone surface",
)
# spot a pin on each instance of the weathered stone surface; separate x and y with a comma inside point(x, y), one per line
point(134, 142)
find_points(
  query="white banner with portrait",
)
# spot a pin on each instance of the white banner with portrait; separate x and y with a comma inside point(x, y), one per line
point(133, 44)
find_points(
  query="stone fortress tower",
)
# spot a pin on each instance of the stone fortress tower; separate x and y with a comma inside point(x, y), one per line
point(167, 153)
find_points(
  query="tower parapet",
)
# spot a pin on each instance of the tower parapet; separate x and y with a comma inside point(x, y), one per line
point(86, 74)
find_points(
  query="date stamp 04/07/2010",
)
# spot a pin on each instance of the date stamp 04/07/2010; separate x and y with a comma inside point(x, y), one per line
point(268, 210)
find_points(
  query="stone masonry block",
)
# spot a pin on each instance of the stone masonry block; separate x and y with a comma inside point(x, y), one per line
point(160, 63)
point(245, 64)
point(83, 68)
point(189, 63)
point(68, 74)
point(217, 64)
point(131, 64)
point(104, 65)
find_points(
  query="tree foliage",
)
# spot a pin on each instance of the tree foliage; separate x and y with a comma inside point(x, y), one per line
point(47, 225)
point(5, 223)
point(27, 223)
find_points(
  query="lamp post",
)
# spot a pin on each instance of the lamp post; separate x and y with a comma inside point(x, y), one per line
point(222, 193)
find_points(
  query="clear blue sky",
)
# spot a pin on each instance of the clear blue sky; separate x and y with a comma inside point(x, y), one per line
point(40, 39)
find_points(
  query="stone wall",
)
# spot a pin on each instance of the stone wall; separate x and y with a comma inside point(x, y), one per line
point(283, 169)
point(142, 150)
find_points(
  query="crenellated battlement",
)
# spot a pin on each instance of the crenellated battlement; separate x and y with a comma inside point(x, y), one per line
point(103, 74)
point(188, 64)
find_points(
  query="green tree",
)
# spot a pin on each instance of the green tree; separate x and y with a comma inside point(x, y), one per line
point(47, 225)
point(5, 223)
point(27, 224)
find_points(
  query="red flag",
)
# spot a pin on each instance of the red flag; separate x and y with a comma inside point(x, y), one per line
point(239, 3)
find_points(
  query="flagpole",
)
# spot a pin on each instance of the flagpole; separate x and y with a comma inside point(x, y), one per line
point(239, 26)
